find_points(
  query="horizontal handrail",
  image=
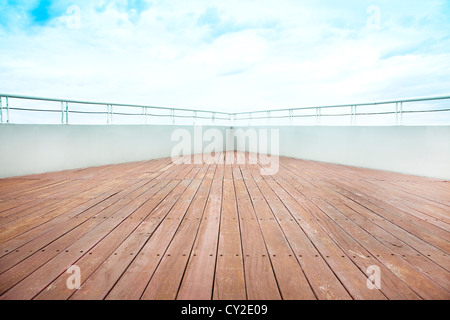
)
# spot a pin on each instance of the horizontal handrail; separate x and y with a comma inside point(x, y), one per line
point(342, 114)
point(351, 104)
point(228, 119)
point(105, 103)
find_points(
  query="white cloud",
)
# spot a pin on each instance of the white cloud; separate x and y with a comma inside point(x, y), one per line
point(257, 54)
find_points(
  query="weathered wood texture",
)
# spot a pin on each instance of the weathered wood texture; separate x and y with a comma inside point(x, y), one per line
point(224, 229)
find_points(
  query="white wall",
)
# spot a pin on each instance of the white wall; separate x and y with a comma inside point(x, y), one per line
point(422, 151)
point(29, 149)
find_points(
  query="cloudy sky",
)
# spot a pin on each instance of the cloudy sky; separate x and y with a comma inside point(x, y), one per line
point(232, 55)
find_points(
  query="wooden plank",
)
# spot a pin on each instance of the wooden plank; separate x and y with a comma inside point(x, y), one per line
point(166, 280)
point(98, 254)
point(437, 191)
point(35, 190)
point(36, 272)
point(198, 280)
point(401, 219)
point(321, 277)
point(16, 254)
point(422, 248)
point(229, 282)
point(422, 222)
point(9, 204)
point(363, 249)
point(403, 270)
point(354, 280)
point(141, 227)
point(259, 274)
point(11, 185)
point(422, 263)
point(290, 278)
point(433, 210)
point(434, 235)
point(78, 214)
point(406, 199)
point(43, 276)
point(125, 278)
point(417, 212)
point(24, 209)
point(218, 175)
point(35, 217)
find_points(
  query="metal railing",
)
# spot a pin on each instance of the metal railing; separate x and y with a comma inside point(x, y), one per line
point(398, 109)
point(25, 109)
point(141, 114)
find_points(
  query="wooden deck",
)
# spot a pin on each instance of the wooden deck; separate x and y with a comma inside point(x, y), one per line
point(160, 230)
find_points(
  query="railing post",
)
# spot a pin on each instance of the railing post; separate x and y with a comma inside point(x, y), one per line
point(397, 113)
point(401, 113)
point(62, 112)
point(144, 114)
point(318, 116)
point(355, 114)
point(173, 116)
point(351, 115)
point(109, 114)
point(7, 109)
point(67, 112)
point(194, 118)
point(1, 110)
point(250, 115)
point(291, 114)
point(268, 117)
point(213, 117)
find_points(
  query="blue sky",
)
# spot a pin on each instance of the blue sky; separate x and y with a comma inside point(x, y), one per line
point(225, 55)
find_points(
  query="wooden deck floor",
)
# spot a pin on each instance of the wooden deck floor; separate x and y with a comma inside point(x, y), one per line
point(159, 230)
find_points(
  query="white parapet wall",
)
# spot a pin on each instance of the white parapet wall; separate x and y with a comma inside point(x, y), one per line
point(422, 150)
point(30, 149)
